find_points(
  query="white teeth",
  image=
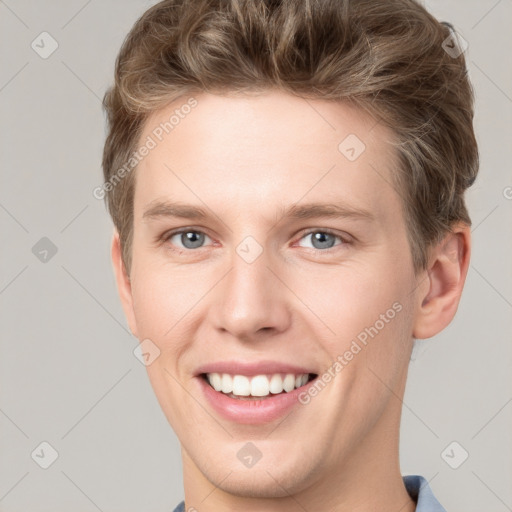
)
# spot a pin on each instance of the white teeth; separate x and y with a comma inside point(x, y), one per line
point(216, 381)
point(241, 385)
point(276, 384)
point(259, 385)
point(289, 383)
point(227, 383)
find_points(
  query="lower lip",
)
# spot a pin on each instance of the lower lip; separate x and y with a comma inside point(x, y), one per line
point(252, 411)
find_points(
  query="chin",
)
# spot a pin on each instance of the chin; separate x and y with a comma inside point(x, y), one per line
point(256, 485)
point(271, 479)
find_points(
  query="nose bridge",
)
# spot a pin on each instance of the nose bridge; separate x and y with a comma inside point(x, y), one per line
point(251, 298)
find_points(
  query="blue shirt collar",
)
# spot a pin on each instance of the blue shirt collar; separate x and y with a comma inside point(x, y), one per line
point(419, 490)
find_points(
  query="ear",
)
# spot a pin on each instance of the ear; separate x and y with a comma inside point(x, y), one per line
point(123, 283)
point(445, 275)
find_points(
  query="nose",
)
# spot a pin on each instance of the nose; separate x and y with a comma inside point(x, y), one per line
point(251, 301)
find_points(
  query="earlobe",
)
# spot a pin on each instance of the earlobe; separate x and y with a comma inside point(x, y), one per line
point(446, 274)
point(124, 286)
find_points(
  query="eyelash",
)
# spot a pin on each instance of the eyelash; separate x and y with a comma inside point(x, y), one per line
point(344, 241)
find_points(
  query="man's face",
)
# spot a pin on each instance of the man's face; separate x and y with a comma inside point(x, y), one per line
point(251, 289)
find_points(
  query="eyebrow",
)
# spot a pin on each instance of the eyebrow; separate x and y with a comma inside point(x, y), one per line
point(159, 209)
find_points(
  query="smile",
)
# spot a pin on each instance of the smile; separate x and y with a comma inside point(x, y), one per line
point(257, 386)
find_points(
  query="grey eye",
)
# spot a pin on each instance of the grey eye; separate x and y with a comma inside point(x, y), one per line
point(321, 239)
point(189, 239)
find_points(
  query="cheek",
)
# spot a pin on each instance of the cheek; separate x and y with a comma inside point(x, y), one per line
point(162, 307)
point(347, 300)
point(162, 298)
point(152, 307)
point(363, 318)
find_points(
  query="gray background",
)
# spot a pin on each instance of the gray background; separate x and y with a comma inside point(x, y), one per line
point(68, 374)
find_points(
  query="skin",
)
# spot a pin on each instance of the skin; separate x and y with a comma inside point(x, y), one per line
point(243, 159)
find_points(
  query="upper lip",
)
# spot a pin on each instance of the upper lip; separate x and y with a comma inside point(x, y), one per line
point(251, 368)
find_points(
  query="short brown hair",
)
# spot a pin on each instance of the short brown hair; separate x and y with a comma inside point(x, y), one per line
point(386, 56)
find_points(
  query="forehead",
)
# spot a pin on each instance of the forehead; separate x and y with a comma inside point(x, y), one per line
point(237, 150)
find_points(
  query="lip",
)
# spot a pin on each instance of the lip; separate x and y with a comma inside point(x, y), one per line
point(250, 369)
point(256, 411)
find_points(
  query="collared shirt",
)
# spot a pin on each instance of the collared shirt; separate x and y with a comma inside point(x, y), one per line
point(416, 486)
